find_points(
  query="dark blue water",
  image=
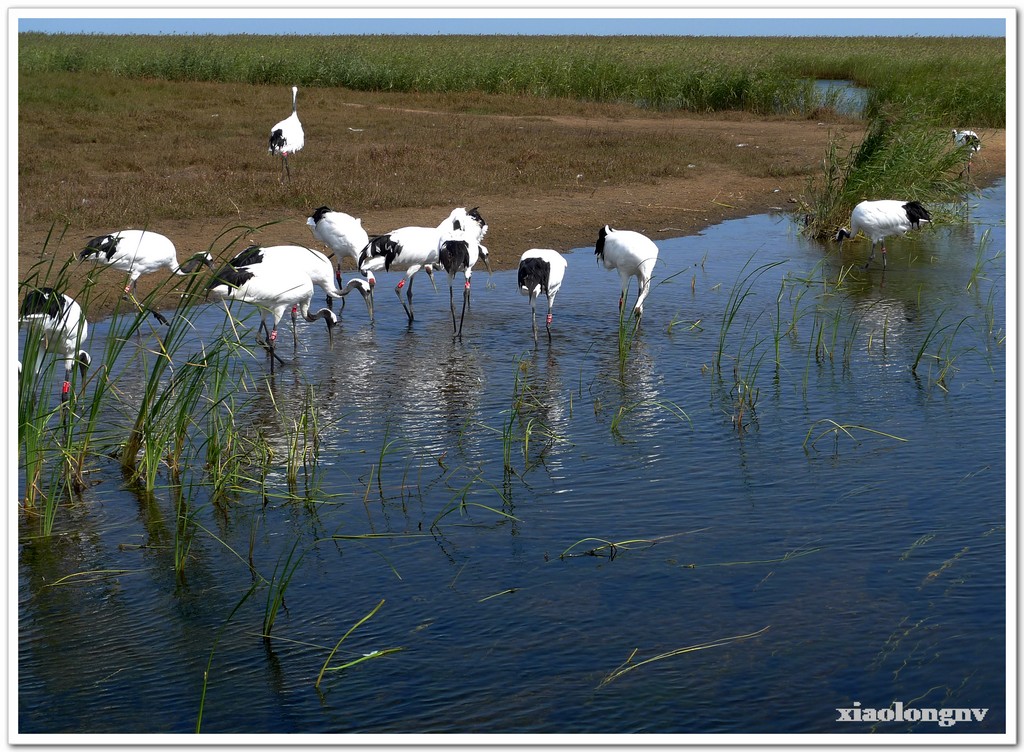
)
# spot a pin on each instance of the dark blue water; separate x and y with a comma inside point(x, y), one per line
point(825, 522)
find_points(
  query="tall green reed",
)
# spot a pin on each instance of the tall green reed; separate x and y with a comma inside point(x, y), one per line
point(963, 80)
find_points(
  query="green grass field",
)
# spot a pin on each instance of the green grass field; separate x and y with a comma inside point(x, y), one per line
point(954, 80)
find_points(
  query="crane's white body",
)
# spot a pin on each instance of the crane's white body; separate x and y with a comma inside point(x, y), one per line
point(139, 252)
point(315, 264)
point(415, 248)
point(272, 288)
point(632, 254)
point(541, 270)
point(341, 232)
point(879, 220)
point(287, 136)
point(61, 324)
point(967, 138)
point(970, 140)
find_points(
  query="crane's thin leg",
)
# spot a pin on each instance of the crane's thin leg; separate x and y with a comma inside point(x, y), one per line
point(643, 290)
point(465, 302)
point(870, 255)
point(65, 389)
point(533, 309)
point(408, 294)
point(883, 255)
point(295, 333)
point(551, 304)
point(130, 294)
point(273, 350)
point(263, 329)
point(398, 292)
point(451, 304)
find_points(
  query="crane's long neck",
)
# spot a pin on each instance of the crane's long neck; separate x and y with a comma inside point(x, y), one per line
point(200, 259)
point(295, 98)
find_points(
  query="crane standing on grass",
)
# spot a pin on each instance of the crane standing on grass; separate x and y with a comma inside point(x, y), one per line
point(287, 137)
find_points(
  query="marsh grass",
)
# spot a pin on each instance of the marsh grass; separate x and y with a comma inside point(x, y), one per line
point(964, 79)
point(303, 440)
point(900, 155)
point(525, 421)
point(605, 547)
point(625, 410)
point(946, 354)
point(743, 390)
point(54, 436)
point(279, 581)
point(213, 649)
point(473, 483)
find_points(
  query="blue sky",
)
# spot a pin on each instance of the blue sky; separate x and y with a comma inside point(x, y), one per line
point(745, 23)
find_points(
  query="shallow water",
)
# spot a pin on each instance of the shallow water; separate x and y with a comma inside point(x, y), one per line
point(850, 99)
point(860, 565)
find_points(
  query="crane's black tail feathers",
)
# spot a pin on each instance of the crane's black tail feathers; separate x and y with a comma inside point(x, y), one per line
point(534, 272)
point(454, 256)
point(916, 213)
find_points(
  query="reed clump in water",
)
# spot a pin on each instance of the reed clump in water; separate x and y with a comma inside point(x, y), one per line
point(900, 157)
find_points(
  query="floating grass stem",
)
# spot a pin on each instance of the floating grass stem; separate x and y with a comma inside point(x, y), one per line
point(834, 429)
point(629, 665)
point(365, 657)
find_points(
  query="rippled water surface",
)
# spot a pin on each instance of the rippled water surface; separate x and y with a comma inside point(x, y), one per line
point(760, 473)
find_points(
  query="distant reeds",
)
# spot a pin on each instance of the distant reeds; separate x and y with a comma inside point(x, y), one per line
point(962, 78)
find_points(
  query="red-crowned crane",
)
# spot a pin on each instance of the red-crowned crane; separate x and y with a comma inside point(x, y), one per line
point(970, 141)
point(315, 264)
point(139, 252)
point(271, 288)
point(880, 219)
point(541, 270)
point(416, 248)
point(633, 255)
point(59, 321)
point(287, 137)
point(344, 235)
point(458, 251)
